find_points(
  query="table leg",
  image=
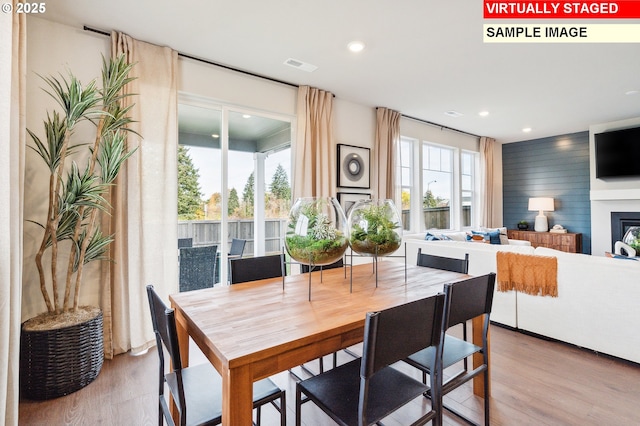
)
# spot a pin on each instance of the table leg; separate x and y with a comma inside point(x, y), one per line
point(183, 343)
point(478, 381)
point(237, 396)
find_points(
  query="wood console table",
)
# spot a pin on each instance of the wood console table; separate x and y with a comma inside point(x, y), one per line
point(569, 242)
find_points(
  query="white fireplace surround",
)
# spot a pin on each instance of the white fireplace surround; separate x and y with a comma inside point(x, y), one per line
point(609, 195)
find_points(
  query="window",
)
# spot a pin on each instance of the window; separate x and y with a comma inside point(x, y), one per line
point(438, 186)
point(405, 162)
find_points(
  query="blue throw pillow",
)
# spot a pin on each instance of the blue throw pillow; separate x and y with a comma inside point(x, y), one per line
point(431, 237)
point(494, 237)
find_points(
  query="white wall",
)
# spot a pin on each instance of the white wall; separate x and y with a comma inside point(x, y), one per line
point(219, 84)
point(609, 195)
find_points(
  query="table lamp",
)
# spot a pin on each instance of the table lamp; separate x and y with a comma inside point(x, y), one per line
point(541, 205)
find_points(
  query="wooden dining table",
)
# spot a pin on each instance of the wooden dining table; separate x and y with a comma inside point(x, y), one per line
point(253, 330)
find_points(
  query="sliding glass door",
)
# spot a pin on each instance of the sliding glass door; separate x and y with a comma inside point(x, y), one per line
point(234, 170)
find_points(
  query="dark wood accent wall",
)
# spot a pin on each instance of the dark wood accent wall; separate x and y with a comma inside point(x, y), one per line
point(555, 167)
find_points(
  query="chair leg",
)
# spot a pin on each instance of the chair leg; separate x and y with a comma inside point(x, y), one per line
point(160, 415)
point(464, 337)
point(298, 405)
point(258, 415)
point(486, 397)
point(283, 409)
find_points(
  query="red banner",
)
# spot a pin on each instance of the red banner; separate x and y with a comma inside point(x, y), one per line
point(623, 9)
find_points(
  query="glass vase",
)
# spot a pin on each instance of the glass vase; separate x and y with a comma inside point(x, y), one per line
point(316, 231)
point(374, 228)
point(632, 238)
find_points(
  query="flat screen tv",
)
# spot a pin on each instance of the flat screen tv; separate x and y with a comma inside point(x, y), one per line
point(618, 153)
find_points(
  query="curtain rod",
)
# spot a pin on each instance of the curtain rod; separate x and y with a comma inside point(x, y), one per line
point(438, 125)
point(184, 55)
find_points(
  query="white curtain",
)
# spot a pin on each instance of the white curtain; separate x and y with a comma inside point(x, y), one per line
point(145, 200)
point(385, 152)
point(12, 163)
point(314, 166)
point(486, 181)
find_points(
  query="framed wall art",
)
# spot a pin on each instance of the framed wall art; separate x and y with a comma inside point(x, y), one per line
point(353, 166)
point(349, 199)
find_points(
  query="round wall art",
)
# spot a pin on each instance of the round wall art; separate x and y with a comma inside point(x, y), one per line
point(353, 166)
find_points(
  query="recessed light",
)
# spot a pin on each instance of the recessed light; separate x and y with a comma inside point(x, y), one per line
point(483, 113)
point(631, 92)
point(356, 46)
point(454, 114)
point(246, 116)
point(215, 135)
point(527, 129)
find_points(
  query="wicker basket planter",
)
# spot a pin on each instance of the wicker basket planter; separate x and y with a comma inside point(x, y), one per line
point(61, 361)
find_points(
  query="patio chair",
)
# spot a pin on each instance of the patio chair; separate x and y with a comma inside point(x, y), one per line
point(197, 267)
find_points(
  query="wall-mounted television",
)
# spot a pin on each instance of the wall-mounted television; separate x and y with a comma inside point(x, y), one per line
point(618, 153)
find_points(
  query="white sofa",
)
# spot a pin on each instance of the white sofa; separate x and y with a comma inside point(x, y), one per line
point(597, 303)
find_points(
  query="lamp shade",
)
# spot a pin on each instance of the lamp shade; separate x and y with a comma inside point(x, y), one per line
point(541, 204)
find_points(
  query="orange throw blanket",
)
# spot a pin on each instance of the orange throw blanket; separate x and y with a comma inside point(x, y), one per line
point(535, 275)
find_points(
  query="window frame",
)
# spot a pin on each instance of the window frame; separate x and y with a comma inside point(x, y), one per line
point(456, 216)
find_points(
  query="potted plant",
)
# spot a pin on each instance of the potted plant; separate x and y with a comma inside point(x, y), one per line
point(523, 225)
point(374, 227)
point(62, 349)
point(316, 233)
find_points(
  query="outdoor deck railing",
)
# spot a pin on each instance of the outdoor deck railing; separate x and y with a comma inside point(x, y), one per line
point(207, 232)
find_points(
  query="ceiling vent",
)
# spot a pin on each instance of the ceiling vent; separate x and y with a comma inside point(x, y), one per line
point(300, 65)
point(454, 114)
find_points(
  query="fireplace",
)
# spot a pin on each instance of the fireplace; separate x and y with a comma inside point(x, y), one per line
point(620, 224)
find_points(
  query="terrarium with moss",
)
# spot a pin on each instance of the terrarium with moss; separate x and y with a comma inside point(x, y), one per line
point(374, 227)
point(632, 237)
point(316, 231)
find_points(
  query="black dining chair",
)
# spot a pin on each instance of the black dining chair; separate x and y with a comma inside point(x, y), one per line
point(197, 267)
point(337, 264)
point(444, 263)
point(464, 300)
point(197, 390)
point(368, 389)
point(256, 268)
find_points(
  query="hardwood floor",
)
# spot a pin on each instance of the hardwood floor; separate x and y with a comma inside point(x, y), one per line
point(534, 382)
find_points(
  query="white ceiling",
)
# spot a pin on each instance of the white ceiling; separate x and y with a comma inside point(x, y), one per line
point(422, 58)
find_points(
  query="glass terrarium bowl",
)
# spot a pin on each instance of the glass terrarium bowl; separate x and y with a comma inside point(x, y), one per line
point(374, 228)
point(632, 238)
point(316, 231)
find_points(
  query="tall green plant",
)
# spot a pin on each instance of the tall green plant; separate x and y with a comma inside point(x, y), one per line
point(76, 194)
